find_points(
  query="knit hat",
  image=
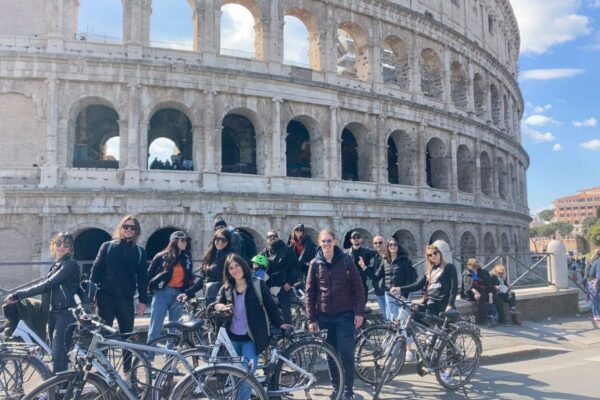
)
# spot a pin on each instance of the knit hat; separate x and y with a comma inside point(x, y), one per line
point(219, 221)
point(299, 227)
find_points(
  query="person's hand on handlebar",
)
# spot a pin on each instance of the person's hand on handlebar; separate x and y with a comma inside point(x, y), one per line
point(395, 291)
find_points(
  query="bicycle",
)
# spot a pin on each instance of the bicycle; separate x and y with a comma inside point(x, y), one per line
point(21, 370)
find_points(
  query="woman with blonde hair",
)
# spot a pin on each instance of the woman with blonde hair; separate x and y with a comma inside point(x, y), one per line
point(504, 293)
point(440, 282)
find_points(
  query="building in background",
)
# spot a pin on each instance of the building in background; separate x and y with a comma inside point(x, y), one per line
point(575, 209)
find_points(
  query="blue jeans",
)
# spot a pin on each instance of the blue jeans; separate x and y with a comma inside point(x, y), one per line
point(392, 309)
point(340, 335)
point(163, 302)
point(595, 305)
point(58, 321)
point(382, 306)
point(248, 351)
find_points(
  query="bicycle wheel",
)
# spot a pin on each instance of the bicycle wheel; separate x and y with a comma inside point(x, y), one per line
point(131, 365)
point(458, 359)
point(393, 362)
point(70, 386)
point(320, 361)
point(298, 315)
point(372, 346)
point(166, 341)
point(219, 382)
point(174, 371)
point(20, 374)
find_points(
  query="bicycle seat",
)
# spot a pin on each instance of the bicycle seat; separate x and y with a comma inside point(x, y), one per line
point(452, 315)
point(187, 326)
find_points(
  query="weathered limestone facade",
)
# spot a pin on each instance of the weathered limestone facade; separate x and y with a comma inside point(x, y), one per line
point(420, 138)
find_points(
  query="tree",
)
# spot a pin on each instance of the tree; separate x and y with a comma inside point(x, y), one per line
point(587, 223)
point(534, 232)
point(593, 234)
point(546, 215)
point(563, 228)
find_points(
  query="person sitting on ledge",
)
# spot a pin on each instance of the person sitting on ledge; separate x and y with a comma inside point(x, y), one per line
point(504, 293)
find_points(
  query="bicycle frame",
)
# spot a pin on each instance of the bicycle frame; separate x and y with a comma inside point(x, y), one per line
point(28, 336)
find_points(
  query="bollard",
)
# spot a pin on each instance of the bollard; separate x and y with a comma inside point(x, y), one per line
point(558, 269)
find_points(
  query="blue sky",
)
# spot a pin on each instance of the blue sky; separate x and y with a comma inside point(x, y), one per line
point(559, 64)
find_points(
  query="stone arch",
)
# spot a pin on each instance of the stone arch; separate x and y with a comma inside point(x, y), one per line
point(489, 245)
point(170, 35)
point(501, 170)
point(459, 85)
point(86, 245)
point(367, 237)
point(353, 51)
point(314, 38)
point(91, 26)
point(402, 157)
point(485, 165)
point(356, 153)
point(20, 129)
point(437, 164)
point(175, 125)
point(158, 240)
point(302, 159)
point(408, 242)
point(504, 244)
point(468, 246)
point(432, 73)
point(495, 100)
point(396, 64)
point(238, 142)
point(440, 235)
point(479, 95)
point(254, 9)
point(465, 168)
point(94, 125)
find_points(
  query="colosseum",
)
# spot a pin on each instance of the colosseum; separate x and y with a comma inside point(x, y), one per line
point(405, 121)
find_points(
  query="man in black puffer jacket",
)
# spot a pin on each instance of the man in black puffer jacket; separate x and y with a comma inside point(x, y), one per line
point(283, 272)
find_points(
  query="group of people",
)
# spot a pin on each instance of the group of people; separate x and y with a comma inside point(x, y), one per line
point(335, 285)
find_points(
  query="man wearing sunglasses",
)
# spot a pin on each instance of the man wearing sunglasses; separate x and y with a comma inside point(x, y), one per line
point(283, 272)
point(119, 270)
point(362, 257)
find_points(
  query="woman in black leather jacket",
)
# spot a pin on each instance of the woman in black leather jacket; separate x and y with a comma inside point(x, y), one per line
point(57, 290)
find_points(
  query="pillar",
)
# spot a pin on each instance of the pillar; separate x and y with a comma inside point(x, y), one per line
point(277, 163)
point(558, 270)
point(212, 134)
point(133, 145)
point(49, 171)
point(335, 167)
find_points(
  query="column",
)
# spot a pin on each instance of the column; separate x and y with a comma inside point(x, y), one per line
point(329, 39)
point(211, 132)
point(421, 161)
point(376, 66)
point(380, 160)
point(477, 172)
point(335, 167)
point(55, 25)
point(495, 171)
point(454, 166)
point(198, 145)
point(276, 155)
point(470, 89)
point(133, 145)
point(447, 95)
point(210, 30)
point(415, 78)
point(49, 172)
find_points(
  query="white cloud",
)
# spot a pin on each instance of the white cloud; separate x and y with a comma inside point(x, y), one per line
point(542, 109)
point(237, 29)
point(591, 145)
point(537, 136)
point(162, 149)
point(595, 4)
point(539, 120)
point(544, 24)
point(295, 41)
point(557, 147)
point(552, 73)
point(590, 122)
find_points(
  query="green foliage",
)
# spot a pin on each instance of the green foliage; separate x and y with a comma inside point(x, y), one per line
point(550, 229)
point(587, 223)
point(593, 234)
point(546, 215)
point(534, 232)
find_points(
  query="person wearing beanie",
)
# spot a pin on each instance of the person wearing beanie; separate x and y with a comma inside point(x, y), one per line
point(236, 238)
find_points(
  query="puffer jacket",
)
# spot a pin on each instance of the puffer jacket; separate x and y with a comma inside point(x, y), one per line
point(283, 264)
point(59, 287)
point(333, 288)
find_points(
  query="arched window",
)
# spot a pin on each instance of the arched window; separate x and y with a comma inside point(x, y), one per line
point(297, 152)
point(486, 173)
point(170, 141)
point(172, 25)
point(468, 246)
point(392, 162)
point(431, 74)
point(466, 167)
point(495, 98)
point(159, 240)
point(100, 22)
point(295, 42)
point(479, 95)
point(401, 159)
point(458, 85)
point(436, 166)
point(407, 240)
point(395, 62)
point(440, 235)
point(238, 35)
point(504, 243)
point(95, 126)
point(349, 156)
point(352, 51)
point(86, 246)
point(356, 154)
point(489, 245)
point(238, 144)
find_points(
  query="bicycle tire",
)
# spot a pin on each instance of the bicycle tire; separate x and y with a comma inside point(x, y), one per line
point(394, 357)
point(137, 374)
point(218, 382)
point(314, 357)
point(20, 374)
point(457, 360)
point(370, 353)
point(173, 372)
point(60, 387)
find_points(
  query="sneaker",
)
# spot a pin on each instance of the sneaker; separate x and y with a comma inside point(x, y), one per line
point(597, 318)
point(408, 357)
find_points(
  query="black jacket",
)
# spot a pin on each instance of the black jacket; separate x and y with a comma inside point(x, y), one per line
point(377, 274)
point(160, 263)
point(367, 255)
point(257, 320)
point(283, 264)
point(399, 272)
point(120, 271)
point(443, 292)
point(309, 249)
point(59, 287)
point(483, 277)
point(213, 272)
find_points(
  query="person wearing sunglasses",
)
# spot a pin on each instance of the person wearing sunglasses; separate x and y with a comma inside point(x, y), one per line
point(362, 257)
point(335, 301)
point(303, 246)
point(120, 269)
point(58, 291)
point(214, 261)
point(283, 272)
point(439, 281)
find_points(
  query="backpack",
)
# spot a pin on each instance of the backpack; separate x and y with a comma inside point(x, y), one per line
point(248, 247)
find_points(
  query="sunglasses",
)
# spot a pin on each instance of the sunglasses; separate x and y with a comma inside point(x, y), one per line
point(272, 236)
point(435, 253)
point(377, 243)
point(62, 243)
point(355, 237)
point(392, 244)
point(128, 227)
point(327, 241)
point(220, 240)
